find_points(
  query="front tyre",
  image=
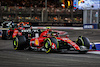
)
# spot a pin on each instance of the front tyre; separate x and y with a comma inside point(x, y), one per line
point(83, 43)
point(19, 42)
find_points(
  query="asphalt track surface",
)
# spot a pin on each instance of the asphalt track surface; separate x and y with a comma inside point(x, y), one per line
point(25, 58)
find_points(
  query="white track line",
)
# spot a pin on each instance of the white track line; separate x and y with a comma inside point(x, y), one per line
point(93, 52)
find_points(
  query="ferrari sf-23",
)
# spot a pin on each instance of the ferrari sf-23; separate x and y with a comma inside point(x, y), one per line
point(49, 41)
point(13, 29)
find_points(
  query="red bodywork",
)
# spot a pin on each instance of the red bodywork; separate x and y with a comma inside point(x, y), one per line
point(10, 32)
point(38, 41)
point(16, 31)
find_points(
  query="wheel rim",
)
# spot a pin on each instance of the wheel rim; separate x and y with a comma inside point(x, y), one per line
point(15, 43)
point(48, 46)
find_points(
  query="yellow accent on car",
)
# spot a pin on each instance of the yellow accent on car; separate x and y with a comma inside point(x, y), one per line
point(48, 27)
point(16, 43)
point(48, 50)
point(50, 45)
point(68, 40)
point(36, 41)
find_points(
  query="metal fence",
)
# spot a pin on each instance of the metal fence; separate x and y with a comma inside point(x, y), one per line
point(91, 16)
point(32, 14)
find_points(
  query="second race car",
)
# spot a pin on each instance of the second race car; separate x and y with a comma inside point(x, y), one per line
point(13, 29)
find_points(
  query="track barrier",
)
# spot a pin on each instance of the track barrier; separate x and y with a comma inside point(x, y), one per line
point(95, 46)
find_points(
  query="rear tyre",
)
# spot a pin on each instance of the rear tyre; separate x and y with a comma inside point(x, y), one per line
point(83, 43)
point(19, 43)
point(55, 41)
point(4, 35)
point(47, 45)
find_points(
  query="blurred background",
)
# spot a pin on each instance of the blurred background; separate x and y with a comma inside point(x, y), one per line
point(52, 11)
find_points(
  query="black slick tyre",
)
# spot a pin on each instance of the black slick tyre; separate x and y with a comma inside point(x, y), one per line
point(19, 43)
point(83, 42)
point(4, 35)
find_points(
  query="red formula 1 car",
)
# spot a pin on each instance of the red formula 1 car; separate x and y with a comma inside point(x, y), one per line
point(8, 31)
point(13, 30)
point(49, 40)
